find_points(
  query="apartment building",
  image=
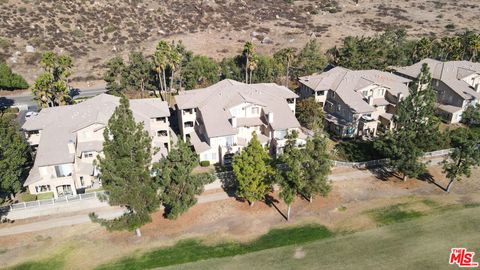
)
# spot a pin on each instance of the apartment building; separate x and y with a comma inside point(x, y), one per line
point(457, 84)
point(219, 120)
point(69, 138)
point(356, 103)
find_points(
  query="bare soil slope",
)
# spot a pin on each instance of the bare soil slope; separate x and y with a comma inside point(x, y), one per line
point(92, 31)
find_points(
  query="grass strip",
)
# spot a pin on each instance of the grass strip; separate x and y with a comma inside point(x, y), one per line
point(193, 250)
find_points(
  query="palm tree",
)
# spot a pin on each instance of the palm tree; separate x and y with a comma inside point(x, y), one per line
point(248, 50)
point(286, 57)
point(175, 61)
point(161, 61)
point(253, 64)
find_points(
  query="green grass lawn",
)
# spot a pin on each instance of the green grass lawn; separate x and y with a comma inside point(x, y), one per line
point(422, 242)
point(194, 250)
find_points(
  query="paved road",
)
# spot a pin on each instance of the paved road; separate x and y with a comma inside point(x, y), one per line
point(26, 100)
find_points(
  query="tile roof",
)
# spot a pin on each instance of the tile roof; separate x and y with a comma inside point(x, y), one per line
point(348, 83)
point(59, 124)
point(451, 73)
point(214, 103)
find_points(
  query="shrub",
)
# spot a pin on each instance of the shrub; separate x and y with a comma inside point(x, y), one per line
point(10, 80)
point(27, 197)
point(205, 163)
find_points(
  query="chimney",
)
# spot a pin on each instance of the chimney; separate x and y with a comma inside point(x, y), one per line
point(71, 147)
point(477, 87)
point(270, 117)
point(399, 97)
point(234, 121)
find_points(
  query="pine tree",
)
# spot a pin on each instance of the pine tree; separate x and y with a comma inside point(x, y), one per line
point(292, 176)
point(253, 171)
point(178, 186)
point(416, 129)
point(125, 170)
point(14, 157)
point(317, 166)
point(465, 155)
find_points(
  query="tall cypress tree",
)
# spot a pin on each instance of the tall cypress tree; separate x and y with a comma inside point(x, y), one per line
point(317, 167)
point(125, 170)
point(416, 129)
point(253, 171)
point(178, 186)
point(292, 177)
point(14, 156)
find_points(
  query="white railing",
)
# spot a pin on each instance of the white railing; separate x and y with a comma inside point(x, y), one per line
point(53, 201)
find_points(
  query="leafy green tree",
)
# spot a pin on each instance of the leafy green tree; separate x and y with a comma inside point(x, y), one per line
point(471, 116)
point(309, 60)
point(316, 167)
point(178, 185)
point(416, 129)
point(200, 71)
point(51, 88)
point(113, 76)
point(14, 157)
point(232, 68)
point(310, 114)
point(253, 171)
point(138, 74)
point(466, 154)
point(10, 80)
point(125, 171)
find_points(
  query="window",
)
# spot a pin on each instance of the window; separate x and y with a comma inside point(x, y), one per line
point(161, 119)
point(321, 93)
point(290, 100)
point(162, 133)
point(43, 188)
point(33, 132)
point(214, 156)
point(188, 111)
point(255, 110)
point(88, 154)
point(63, 170)
point(166, 146)
point(82, 183)
point(230, 140)
point(365, 93)
point(189, 124)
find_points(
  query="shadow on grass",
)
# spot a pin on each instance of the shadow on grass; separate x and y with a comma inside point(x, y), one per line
point(194, 250)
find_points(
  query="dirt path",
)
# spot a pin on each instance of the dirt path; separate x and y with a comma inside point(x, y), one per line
point(218, 220)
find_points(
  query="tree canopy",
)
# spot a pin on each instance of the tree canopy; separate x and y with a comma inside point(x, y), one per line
point(14, 157)
point(125, 170)
point(10, 80)
point(310, 114)
point(253, 171)
point(51, 87)
point(465, 155)
point(178, 186)
point(416, 128)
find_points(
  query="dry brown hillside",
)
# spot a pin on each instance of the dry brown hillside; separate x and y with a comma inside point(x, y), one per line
point(92, 31)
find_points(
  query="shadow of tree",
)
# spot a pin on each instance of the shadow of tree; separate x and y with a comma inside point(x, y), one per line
point(427, 177)
point(271, 202)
